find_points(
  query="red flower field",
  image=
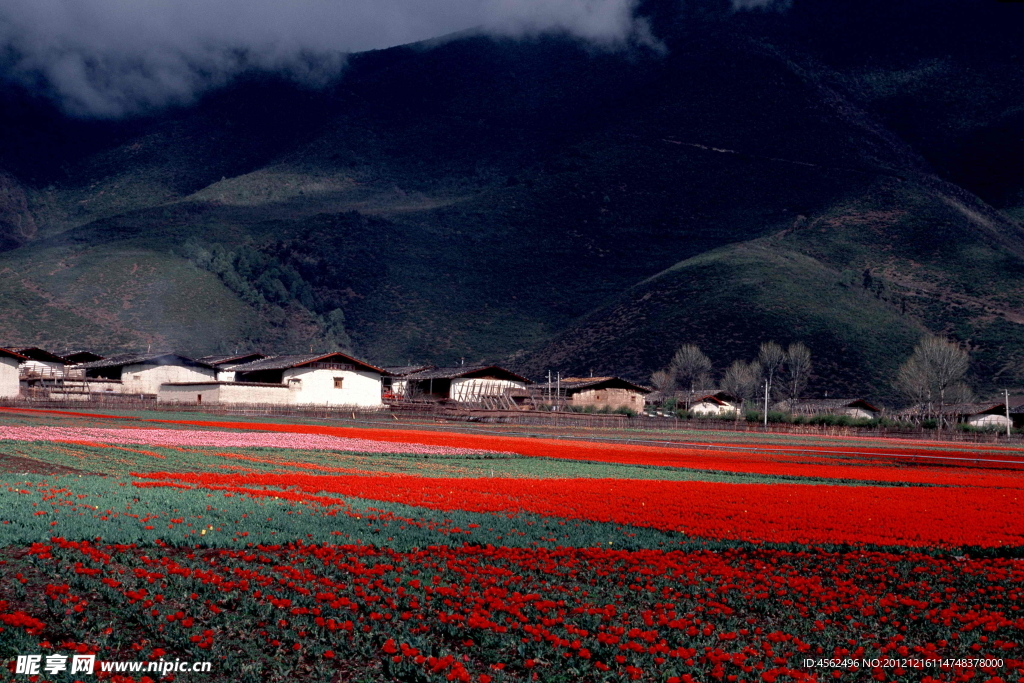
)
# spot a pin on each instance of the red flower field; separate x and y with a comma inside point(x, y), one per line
point(821, 561)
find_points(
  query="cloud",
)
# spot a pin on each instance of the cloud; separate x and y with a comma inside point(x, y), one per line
point(116, 57)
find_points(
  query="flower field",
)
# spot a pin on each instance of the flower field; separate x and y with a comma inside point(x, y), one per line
point(306, 552)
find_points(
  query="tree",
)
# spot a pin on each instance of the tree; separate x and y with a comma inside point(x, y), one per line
point(690, 367)
point(742, 380)
point(771, 357)
point(663, 381)
point(934, 373)
point(798, 370)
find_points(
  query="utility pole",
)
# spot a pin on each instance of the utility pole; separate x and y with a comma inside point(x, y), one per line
point(558, 390)
point(549, 389)
point(1009, 424)
point(766, 405)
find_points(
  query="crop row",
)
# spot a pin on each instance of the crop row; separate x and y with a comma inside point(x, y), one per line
point(485, 613)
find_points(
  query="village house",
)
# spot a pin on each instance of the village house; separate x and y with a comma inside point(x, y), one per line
point(462, 384)
point(976, 414)
point(322, 379)
point(851, 407)
point(714, 405)
point(40, 364)
point(226, 364)
point(142, 374)
point(600, 393)
point(10, 361)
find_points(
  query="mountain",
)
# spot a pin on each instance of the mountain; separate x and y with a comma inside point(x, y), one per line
point(846, 175)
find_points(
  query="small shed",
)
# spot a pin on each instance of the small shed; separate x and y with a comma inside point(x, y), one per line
point(394, 381)
point(851, 407)
point(611, 393)
point(40, 364)
point(323, 379)
point(464, 383)
point(10, 361)
point(144, 373)
point(226, 364)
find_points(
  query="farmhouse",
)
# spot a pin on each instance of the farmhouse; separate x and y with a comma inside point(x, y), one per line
point(226, 364)
point(40, 364)
point(991, 414)
point(9, 362)
point(710, 405)
point(324, 379)
point(851, 407)
point(463, 384)
point(144, 373)
point(602, 393)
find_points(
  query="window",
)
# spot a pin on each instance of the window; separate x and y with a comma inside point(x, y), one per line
point(338, 381)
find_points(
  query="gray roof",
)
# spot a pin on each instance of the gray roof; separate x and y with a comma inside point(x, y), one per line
point(36, 353)
point(228, 359)
point(284, 362)
point(403, 370)
point(579, 383)
point(123, 359)
point(467, 371)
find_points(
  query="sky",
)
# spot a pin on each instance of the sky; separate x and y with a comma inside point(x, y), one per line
point(115, 57)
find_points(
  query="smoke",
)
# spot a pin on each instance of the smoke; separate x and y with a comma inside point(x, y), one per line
point(111, 58)
point(777, 5)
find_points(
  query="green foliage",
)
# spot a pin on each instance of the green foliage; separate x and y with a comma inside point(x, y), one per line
point(265, 283)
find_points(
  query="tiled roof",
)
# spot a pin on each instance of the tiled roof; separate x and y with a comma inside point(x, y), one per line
point(466, 371)
point(123, 359)
point(284, 362)
point(12, 354)
point(578, 383)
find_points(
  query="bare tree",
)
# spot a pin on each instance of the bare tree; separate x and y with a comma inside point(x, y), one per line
point(934, 373)
point(691, 367)
point(771, 357)
point(798, 370)
point(742, 380)
point(664, 381)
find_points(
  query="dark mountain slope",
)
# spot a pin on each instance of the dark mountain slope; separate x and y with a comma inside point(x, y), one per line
point(478, 198)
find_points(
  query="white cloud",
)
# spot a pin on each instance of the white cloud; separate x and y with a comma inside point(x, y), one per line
point(112, 57)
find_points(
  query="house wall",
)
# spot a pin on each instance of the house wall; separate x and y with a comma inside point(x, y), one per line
point(467, 388)
point(710, 408)
point(315, 386)
point(225, 375)
point(43, 369)
point(608, 398)
point(9, 387)
point(988, 420)
point(214, 393)
point(146, 379)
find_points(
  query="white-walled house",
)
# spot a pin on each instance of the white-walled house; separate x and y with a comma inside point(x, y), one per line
point(714, 405)
point(9, 363)
point(226, 364)
point(324, 379)
point(144, 374)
